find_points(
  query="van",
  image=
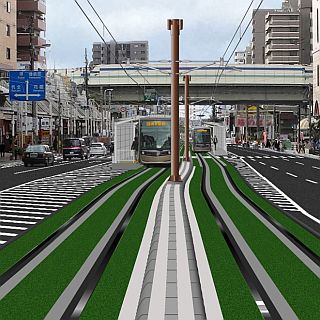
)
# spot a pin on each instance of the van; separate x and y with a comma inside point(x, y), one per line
point(75, 148)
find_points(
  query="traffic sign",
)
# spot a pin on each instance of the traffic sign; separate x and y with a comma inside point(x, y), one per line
point(27, 85)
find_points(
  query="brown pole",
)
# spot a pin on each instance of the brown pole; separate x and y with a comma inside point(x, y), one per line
point(186, 79)
point(175, 25)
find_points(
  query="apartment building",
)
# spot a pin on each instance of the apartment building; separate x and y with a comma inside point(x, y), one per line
point(283, 32)
point(316, 57)
point(31, 28)
point(8, 35)
point(282, 38)
point(112, 52)
point(243, 56)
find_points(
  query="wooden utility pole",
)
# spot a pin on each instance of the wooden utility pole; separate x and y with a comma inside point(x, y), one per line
point(186, 79)
point(175, 25)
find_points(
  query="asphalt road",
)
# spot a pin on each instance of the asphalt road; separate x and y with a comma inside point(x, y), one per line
point(297, 176)
point(13, 176)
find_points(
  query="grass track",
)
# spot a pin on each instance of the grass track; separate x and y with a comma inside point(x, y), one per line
point(233, 292)
point(299, 232)
point(296, 282)
point(107, 298)
point(35, 295)
point(12, 253)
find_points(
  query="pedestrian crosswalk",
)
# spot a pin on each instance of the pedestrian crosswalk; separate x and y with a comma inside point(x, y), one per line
point(24, 206)
point(265, 188)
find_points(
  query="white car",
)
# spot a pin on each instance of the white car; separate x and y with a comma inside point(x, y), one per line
point(98, 149)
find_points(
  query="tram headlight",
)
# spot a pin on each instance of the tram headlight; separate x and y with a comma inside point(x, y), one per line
point(142, 152)
point(169, 152)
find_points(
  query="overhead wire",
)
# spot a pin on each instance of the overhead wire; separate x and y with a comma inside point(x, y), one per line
point(101, 37)
point(113, 38)
point(218, 76)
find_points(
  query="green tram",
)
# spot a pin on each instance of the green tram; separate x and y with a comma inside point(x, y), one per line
point(155, 140)
point(201, 139)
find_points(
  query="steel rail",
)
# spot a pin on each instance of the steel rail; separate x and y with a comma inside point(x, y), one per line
point(260, 283)
point(14, 275)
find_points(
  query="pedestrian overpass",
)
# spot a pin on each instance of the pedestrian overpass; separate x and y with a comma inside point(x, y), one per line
point(210, 83)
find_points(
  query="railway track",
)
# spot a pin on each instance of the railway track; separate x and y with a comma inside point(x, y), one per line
point(265, 290)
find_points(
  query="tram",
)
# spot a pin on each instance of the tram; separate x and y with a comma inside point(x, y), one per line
point(201, 139)
point(154, 140)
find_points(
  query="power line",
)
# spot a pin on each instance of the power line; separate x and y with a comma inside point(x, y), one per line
point(231, 55)
point(113, 38)
point(106, 43)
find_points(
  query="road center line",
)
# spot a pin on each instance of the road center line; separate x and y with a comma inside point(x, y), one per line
point(274, 168)
point(301, 164)
point(315, 167)
point(291, 174)
point(262, 163)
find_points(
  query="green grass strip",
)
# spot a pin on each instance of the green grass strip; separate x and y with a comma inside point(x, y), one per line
point(35, 295)
point(108, 296)
point(233, 292)
point(299, 286)
point(18, 249)
point(299, 232)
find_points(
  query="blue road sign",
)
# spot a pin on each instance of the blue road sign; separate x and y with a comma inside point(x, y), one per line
point(27, 85)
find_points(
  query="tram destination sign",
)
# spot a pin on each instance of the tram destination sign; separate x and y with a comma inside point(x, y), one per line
point(27, 85)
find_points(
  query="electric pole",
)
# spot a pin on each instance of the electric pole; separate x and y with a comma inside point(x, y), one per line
point(186, 79)
point(175, 25)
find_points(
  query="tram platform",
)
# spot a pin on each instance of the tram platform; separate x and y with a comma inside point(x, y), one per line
point(172, 278)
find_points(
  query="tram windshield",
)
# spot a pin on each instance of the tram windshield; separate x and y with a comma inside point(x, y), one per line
point(202, 136)
point(155, 135)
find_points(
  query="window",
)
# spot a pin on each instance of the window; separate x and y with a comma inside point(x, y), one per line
point(8, 30)
point(8, 6)
point(8, 53)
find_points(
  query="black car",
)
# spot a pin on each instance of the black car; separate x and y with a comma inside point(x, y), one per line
point(75, 148)
point(38, 154)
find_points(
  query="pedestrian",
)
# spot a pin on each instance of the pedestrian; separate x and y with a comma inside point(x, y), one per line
point(215, 141)
point(135, 147)
point(2, 148)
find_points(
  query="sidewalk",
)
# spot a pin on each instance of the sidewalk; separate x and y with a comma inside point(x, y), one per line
point(6, 158)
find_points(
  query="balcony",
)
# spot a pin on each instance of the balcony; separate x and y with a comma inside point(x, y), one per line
point(32, 6)
point(24, 41)
point(24, 23)
point(282, 47)
point(282, 23)
point(282, 59)
point(282, 35)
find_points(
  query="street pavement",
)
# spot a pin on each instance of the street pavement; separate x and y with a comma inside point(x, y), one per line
point(296, 175)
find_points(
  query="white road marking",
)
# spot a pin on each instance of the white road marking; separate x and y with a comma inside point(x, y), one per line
point(3, 242)
point(315, 167)
point(301, 164)
point(291, 174)
point(262, 163)
point(274, 168)
point(17, 221)
point(286, 160)
point(12, 228)
point(311, 181)
point(8, 234)
point(23, 217)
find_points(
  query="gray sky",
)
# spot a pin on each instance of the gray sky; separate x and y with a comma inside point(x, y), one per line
point(208, 27)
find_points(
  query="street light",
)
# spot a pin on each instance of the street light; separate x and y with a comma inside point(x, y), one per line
point(109, 111)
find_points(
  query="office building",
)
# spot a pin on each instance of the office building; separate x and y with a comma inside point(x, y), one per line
point(30, 34)
point(120, 52)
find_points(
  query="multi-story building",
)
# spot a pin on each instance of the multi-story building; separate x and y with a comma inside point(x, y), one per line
point(30, 36)
point(270, 28)
point(8, 35)
point(316, 57)
point(112, 52)
point(282, 38)
point(243, 57)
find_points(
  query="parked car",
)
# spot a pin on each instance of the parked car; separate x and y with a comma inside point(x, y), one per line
point(98, 148)
point(38, 153)
point(75, 148)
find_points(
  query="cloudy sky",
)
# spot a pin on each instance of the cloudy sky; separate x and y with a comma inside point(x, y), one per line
point(208, 27)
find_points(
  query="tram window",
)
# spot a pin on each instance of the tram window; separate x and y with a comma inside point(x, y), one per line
point(155, 135)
